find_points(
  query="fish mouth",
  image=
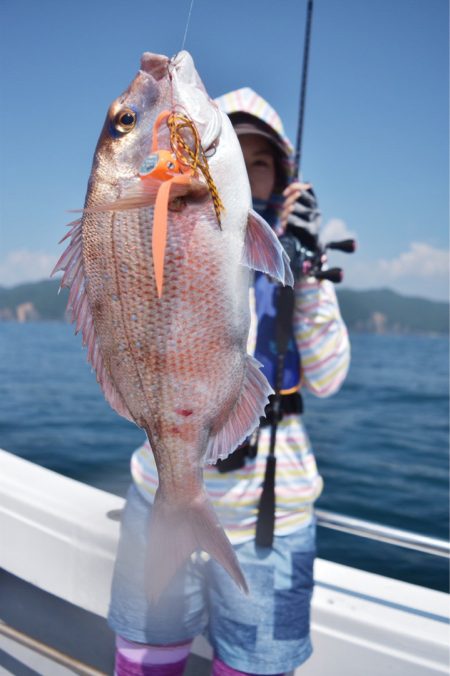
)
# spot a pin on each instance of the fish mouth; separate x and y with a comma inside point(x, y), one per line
point(155, 65)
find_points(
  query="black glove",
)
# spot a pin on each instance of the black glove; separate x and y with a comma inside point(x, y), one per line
point(304, 221)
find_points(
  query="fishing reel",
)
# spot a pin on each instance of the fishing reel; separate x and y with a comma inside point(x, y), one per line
point(308, 256)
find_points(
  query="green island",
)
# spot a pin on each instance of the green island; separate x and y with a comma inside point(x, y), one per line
point(375, 311)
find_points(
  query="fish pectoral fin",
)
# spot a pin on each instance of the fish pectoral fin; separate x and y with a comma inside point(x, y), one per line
point(244, 418)
point(143, 193)
point(176, 532)
point(263, 251)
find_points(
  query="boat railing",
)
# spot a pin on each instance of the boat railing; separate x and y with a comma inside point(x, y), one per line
point(382, 533)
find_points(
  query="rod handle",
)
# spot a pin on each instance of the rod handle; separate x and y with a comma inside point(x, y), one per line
point(335, 275)
point(265, 525)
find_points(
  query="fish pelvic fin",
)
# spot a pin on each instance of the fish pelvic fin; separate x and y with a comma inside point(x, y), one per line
point(263, 251)
point(178, 531)
point(244, 417)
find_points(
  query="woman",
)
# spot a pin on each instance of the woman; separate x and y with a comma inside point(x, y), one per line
point(268, 631)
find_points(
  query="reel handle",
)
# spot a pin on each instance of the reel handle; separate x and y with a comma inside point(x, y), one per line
point(346, 245)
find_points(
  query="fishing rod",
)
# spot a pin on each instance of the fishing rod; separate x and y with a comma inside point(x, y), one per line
point(307, 258)
point(285, 300)
point(301, 116)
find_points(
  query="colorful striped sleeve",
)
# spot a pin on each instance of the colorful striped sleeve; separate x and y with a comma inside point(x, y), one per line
point(251, 341)
point(321, 336)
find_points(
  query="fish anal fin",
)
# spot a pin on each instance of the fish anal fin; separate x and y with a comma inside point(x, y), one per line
point(176, 531)
point(263, 251)
point(244, 418)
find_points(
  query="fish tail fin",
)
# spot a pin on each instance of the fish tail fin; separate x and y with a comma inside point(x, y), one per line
point(176, 532)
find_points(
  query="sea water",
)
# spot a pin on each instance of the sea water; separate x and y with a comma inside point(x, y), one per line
point(381, 443)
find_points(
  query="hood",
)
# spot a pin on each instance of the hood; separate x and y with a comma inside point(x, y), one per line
point(248, 102)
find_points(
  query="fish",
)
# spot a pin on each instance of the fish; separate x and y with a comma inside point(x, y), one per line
point(159, 267)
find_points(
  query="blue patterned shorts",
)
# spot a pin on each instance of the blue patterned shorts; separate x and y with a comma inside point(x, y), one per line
point(266, 632)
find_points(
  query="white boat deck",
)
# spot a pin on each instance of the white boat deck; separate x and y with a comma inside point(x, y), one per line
point(57, 548)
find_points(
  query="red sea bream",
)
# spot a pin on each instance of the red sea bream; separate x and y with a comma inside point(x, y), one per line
point(159, 268)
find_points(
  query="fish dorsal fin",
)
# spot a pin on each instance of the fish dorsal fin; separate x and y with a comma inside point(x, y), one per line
point(263, 251)
point(244, 418)
point(71, 263)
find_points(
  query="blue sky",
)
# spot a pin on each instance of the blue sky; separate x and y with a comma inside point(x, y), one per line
point(376, 127)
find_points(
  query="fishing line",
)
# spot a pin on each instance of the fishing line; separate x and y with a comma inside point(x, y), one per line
point(187, 25)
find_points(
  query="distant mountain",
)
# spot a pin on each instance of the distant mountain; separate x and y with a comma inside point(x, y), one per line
point(383, 310)
point(379, 311)
point(33, 300)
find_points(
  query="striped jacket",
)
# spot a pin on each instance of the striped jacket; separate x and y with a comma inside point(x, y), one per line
point(322, 341)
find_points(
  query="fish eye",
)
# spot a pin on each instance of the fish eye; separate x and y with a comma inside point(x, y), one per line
point(125, 120)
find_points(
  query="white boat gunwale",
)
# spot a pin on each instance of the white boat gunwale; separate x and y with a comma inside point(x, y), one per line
point(393, 626)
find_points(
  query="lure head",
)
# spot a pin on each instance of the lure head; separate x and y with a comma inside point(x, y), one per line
point(161, 165)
